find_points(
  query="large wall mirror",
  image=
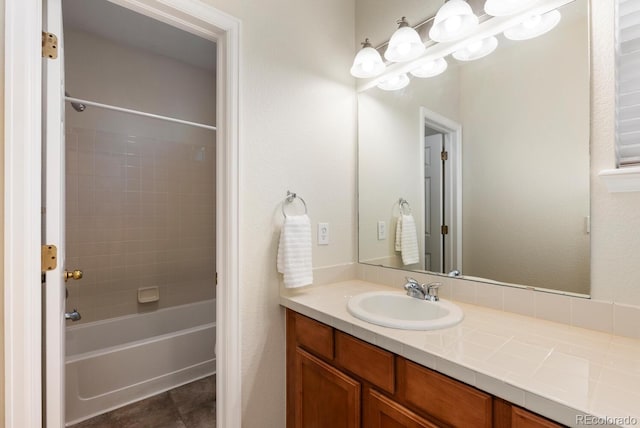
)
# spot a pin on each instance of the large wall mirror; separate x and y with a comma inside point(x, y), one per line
point(486, 166)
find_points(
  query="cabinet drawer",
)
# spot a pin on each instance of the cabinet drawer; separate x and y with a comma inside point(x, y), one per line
point(521, 418)
point(313, 336)
point(366, 361)
point(447, 400)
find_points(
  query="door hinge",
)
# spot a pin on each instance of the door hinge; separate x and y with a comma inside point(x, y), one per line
point(49, 45)
point(49, 257)
point(444, 155)
point(444, 229)
point(216, 278)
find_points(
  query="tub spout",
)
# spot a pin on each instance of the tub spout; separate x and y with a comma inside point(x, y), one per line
point(73, 315)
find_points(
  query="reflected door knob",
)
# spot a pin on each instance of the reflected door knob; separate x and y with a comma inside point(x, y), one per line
point(76, 274)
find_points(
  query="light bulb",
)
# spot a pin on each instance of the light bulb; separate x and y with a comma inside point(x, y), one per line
point(429, 68)
point(453, 24)
point(405, 44)
point(368, 62)
point(476, 49)
point(395, 82)
point(533, 26)
point(454, 20)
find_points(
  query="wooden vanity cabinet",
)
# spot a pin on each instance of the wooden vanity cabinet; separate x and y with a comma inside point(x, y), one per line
point(335, 380)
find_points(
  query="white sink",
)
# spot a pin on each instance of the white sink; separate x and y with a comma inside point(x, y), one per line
point(397, 310)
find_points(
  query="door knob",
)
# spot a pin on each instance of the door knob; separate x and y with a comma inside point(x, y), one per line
point(76, 274)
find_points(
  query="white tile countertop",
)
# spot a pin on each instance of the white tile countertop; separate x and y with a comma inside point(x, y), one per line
point(565, 373)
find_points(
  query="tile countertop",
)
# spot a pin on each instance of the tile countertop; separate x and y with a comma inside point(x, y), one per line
point(566, 373)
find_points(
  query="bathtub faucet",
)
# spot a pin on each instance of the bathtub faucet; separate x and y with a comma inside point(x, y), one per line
point(73, 316)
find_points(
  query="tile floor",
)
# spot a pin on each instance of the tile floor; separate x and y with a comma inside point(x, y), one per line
point(189, 406)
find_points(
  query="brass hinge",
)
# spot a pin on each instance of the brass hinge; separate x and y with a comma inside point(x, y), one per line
point(49, 257)
point(444, 155)
point(444, 229)
point(49, 45)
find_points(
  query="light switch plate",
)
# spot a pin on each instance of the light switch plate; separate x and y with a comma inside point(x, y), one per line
point(382, 230)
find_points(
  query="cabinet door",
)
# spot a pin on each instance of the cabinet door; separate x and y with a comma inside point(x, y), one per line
point(521, 418)
point(386, 413)
point(324, 396)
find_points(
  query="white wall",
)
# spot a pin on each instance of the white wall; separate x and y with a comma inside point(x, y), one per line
point(297, 133)
point(525, 116)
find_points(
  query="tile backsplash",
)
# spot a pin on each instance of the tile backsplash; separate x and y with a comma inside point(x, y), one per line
point(140, 213)
point(608, 317)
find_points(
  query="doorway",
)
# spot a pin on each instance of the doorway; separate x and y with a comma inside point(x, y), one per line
point(442, 171)
point(140, 212)
point(23, 153)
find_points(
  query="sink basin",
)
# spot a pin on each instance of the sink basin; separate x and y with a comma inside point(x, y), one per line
point(397, 310)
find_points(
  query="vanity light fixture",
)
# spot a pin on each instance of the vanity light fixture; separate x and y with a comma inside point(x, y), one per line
point(405, 43)
point(395, 82)
point(368, 62)
point(453, 21)
point(429, 68)
point(534, 26)
point(476, 49)
point(506, 7)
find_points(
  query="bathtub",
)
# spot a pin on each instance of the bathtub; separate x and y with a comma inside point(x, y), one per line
point(118, 361)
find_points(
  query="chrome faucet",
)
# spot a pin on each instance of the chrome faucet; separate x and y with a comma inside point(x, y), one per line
point(422, 291)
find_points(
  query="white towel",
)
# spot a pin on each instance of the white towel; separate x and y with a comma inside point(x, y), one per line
point(294, 251)
point(398, 240)
point(409, 240)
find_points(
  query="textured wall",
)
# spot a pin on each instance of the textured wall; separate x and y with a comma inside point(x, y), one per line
point(2, 216)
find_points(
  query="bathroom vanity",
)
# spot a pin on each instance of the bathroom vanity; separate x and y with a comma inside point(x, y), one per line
point(494, 369)
point(337, 380)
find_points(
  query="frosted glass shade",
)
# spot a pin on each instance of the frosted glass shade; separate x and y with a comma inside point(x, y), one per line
point(506, 7)
point(405, 44)
point(454, 20)
point(476, 49)
point(534, 26)
point(367, 63)
point(429, 68)
point(393, 83)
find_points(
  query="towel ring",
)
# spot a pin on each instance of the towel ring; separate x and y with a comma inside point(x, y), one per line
point(289, 199)
point(405, 208)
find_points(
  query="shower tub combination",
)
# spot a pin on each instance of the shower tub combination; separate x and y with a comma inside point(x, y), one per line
point(118, 361)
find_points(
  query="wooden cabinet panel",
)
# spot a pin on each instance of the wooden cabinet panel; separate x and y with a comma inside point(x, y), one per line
point(314, 336)
point(369, 362)
point(521, 418)
point(385, 413)
point(447, 400)
point(324, 396)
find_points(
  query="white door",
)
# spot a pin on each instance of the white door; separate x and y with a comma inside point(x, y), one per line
point(54, 217)
point(433, 146)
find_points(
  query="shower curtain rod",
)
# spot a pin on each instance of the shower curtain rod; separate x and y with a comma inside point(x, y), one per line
point(139, 113)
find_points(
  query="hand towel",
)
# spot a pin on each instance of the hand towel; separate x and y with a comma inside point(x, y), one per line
point(409, 240)
point(294, 251)
point(398, 239)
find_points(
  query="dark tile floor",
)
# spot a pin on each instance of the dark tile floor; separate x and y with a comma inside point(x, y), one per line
point(189, 406)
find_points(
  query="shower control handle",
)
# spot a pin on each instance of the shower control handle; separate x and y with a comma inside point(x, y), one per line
point(76, 274)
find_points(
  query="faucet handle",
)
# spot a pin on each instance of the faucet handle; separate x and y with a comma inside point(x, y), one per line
point(432, 291)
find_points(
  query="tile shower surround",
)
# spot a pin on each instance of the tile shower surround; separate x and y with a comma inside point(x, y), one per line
point(140, 213)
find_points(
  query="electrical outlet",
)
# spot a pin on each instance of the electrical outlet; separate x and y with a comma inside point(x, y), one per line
point(382, 230)
point(323, 233)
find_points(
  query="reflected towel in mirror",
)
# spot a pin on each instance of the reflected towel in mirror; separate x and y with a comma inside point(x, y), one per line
point(407, 239)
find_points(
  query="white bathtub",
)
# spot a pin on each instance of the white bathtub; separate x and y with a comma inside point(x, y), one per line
point(118, 361)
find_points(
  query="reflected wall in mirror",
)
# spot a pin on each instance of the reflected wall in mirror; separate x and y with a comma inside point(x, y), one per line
point(513, 191)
